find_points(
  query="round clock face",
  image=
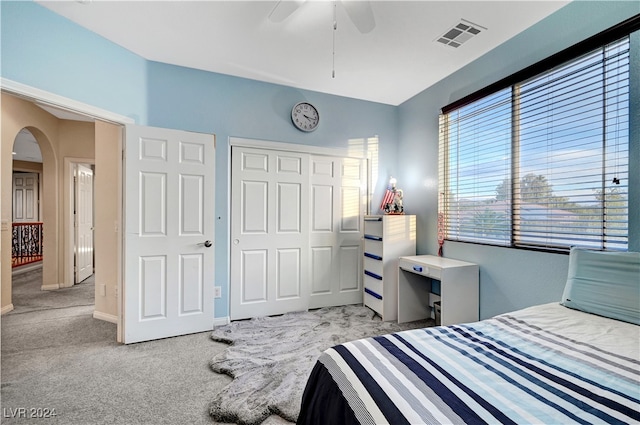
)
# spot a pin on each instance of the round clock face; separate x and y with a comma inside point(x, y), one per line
point(305, 116)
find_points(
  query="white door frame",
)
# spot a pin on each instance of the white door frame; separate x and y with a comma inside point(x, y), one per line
point(68, 200)
point(286, 147)
point(44, 97)
point(292, 147)
point(37, 95)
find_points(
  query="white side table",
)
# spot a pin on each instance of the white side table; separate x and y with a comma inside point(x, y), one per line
point(459, 289)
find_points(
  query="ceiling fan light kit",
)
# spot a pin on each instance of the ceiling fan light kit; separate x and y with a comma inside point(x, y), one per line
point(359, 11)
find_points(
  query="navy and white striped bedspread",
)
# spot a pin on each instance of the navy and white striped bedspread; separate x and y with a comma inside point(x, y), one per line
point(502, 370)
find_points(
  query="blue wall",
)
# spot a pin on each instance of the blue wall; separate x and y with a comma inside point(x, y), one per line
point(227, 106)
point(43, 50)
point(509, 278)
point(46, 51)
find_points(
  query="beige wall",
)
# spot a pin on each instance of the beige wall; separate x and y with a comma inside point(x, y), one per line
point(58, 139)
point(108, 221)
point(17, 114)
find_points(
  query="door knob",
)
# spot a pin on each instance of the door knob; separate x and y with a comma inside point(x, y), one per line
point(207, 244)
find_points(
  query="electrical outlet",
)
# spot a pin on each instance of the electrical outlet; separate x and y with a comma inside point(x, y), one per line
point(217, 292)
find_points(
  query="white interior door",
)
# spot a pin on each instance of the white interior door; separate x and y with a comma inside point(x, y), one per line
point(25, 197)
point(269, 232)
point(169, 232)
point(338, 202)
point(83, 222)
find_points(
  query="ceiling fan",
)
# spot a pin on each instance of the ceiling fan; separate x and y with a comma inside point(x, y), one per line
point(359, 12)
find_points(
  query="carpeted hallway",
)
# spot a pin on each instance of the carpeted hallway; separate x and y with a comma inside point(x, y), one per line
point(55, 357)
point(27, 296)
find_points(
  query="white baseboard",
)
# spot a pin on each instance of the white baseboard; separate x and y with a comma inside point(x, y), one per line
point(217, 321)
point(26, 268)
point(106, 317)
point(52, 287)
point(221, 321)
point(6, 309)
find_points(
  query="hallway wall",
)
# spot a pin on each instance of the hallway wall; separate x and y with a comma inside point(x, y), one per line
point(108, 218)
point(57, 139)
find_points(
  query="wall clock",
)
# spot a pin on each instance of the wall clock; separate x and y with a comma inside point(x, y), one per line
point(305, 116)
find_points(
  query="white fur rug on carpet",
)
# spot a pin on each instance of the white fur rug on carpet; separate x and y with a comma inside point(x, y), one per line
point(270, 358)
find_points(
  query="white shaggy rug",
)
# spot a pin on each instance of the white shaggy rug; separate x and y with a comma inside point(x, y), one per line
point(270, 358)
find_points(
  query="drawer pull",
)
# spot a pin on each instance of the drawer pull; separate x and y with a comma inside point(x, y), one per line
point(373, 238)
point(374, 256)
point(373, 219)
point(373, 275)
point(373, 294)
point(417, 269)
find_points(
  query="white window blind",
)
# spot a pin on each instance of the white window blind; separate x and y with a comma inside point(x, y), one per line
point(543, 163)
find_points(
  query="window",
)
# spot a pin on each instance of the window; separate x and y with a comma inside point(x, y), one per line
point(543, 162)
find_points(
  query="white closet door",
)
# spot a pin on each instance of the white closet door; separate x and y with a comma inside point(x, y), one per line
point(269, 232)
point(338, 202)
point(169, 223)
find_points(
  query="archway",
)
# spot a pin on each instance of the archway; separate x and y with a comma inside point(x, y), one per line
point(49, 214)
point(26, 231)
point(30, 213)
point(34, 215)
point(65, 138)
point(26, 238)
point(18, 115)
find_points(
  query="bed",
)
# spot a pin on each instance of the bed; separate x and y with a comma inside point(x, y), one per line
point(577, 361)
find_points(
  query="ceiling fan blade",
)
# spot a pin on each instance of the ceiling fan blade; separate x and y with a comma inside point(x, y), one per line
point(283, 9)
point(361, 14)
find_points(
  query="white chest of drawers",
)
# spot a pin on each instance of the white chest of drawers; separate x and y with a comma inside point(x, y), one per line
point(386, 238)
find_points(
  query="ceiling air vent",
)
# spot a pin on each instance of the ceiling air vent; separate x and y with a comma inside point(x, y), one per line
point(460, 33)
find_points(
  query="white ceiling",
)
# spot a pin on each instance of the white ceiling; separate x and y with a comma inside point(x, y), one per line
point(26, 148)
point(398, 59)
point(64, 114)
